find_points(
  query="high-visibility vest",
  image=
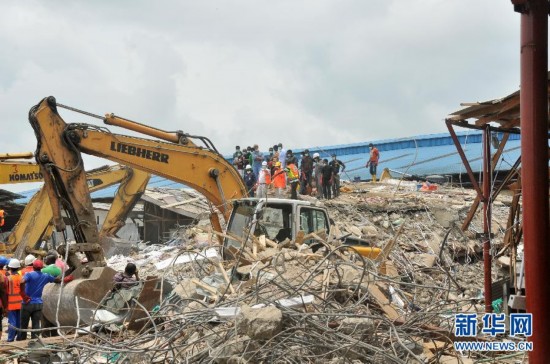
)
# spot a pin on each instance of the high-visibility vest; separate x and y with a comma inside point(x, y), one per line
point(293, 172)
point(26, 270)
point(279, 179)
point(14, 292)
point(1, 217)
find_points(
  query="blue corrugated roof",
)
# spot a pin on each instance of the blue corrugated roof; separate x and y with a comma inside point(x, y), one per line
point(419, 155)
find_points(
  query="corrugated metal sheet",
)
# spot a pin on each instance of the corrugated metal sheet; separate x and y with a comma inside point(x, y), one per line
point(419, 155)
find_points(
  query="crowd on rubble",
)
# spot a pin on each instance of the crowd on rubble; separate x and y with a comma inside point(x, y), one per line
point(303, 173)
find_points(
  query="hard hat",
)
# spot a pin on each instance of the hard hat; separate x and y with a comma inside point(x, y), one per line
point(3, 260)
point(248, 166)
point(14, 263)
point(277, 164)
point(29, 259)
point(316, 155)
point(264, 163)
point(38, 264)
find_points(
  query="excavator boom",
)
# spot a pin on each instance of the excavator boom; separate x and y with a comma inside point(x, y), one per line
point(35, 221)
point(58, 153)
point(16, 171)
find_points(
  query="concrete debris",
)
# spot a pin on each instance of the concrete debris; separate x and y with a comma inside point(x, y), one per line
point(260, 323)
point(300, 302)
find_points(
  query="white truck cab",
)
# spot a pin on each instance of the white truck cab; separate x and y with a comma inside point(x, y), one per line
point(275, 218)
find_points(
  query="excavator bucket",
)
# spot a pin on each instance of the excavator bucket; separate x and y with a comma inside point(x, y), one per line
point(76, 301)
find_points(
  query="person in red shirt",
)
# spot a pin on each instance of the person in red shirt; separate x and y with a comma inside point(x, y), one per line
point(373, 161)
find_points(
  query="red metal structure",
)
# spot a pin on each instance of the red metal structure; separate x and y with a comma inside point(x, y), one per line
point(534, 173)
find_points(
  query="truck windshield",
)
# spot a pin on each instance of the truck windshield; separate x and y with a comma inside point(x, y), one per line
point(273, 221)
point(240, 222)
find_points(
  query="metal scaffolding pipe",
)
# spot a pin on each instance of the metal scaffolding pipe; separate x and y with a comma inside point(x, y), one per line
point(487, 180)
point(534, 172)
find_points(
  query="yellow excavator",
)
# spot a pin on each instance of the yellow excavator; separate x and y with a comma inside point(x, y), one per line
point(35, 225)
point(58, 153)
point(176, 156)
point(15, 170)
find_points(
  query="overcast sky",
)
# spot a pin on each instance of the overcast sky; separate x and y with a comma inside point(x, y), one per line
point(305, 73)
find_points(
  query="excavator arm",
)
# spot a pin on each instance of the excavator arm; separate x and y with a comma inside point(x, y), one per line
point(177, 158)
point(59, 148)
point(13, 170)
point(35, 221)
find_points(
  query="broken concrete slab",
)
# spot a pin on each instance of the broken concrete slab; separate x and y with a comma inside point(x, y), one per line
point(260, 323)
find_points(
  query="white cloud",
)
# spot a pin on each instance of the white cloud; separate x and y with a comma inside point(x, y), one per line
point(304, 73)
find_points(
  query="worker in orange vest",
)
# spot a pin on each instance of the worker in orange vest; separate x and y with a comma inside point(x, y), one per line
point(14, 299)
point(293, 176)
point(2, 214)
point(3, 295)
point(279, 180)
point(264, 180)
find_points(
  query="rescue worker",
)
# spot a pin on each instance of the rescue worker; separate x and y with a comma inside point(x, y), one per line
point(257, 159)
point(126, 279)
point(249, 180)
point(318, 174)
point(336, 164)
point(51, 268)
point(3, 301)
point(306, 170)
point(279, 180)
point(250, 158)
point(373, 161)
point(14, 299)
point(3, 262)
point(291, 158)
point(282, 155)
point(276, 153)
point(28, 264)
point(2, 215)
point(32, 285)
point(264, 180)
point(269, 158)
point(293, 176)
point(238, 160)
point(327, 173)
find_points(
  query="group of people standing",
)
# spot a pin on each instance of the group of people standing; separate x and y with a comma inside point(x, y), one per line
point(21, 290)
point(280, 168)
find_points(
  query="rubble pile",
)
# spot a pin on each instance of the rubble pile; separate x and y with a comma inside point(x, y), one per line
point(313, 303)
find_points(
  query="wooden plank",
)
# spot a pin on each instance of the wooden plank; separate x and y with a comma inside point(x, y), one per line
point(386, 250)
point(179, 203)
point(383, 302)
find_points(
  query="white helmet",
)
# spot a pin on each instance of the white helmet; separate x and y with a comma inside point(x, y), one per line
point(14, 263)
point(264, 163)
point(316, 155)
point(29, 259)
point(248, 166)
